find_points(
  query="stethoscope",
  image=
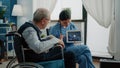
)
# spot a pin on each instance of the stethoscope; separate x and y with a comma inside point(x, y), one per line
point(60, 28)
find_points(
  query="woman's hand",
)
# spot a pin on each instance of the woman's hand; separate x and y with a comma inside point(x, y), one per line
point(61, 37)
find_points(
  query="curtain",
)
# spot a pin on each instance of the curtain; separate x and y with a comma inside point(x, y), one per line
point(100, 10)
point(48, 4)
point(103, 11)
point(114, 42)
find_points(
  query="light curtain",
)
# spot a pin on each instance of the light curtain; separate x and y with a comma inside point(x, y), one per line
point(100, 10)
point(103, 11)
point(48, 4)
point(114, 42)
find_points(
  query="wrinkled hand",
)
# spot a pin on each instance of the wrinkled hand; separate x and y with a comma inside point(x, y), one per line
point(61, 43)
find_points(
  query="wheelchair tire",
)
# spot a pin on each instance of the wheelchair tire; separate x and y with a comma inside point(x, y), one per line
point(27, 65)
point(11, 62)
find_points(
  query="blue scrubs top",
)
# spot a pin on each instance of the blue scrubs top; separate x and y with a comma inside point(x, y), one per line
point(57, 29)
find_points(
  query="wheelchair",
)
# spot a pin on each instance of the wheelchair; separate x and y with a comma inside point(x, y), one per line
point(20, 57)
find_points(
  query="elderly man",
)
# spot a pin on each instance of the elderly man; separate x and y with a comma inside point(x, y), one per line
point(31, 31)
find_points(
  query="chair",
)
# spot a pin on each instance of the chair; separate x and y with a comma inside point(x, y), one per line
point(19, 50)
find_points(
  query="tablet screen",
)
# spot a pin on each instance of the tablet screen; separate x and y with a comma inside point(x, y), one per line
point(73, 36)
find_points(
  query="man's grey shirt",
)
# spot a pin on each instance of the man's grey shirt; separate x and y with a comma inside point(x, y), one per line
point(30, 36)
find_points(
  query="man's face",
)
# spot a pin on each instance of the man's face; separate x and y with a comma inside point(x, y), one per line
point(65, 23)
point(45, 22)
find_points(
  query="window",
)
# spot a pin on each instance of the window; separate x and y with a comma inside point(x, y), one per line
point(74, 5)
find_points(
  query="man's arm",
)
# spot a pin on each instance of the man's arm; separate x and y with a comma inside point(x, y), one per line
point(30, 36)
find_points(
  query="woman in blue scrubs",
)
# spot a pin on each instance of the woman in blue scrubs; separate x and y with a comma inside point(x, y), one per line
point(82, 53)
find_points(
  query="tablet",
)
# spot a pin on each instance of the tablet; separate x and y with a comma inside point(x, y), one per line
point(73, 36)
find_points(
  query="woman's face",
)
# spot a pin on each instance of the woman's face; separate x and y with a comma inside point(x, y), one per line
point(65, 23)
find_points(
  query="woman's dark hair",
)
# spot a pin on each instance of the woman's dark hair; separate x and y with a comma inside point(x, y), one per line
point(65, 14)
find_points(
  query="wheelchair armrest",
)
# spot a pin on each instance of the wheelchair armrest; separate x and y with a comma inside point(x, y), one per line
point(13, 34)
point(58, 45)
point(59, 48)
point(61, 45)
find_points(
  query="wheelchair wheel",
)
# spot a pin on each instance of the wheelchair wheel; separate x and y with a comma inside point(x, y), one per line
point(12, 61)
point(27, 65)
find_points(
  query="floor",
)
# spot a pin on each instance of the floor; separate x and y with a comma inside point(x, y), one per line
point(96, 63)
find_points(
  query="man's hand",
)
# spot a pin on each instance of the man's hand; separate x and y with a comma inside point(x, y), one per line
point(61, 43)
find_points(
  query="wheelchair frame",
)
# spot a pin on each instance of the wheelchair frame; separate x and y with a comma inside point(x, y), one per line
point(25, 64)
